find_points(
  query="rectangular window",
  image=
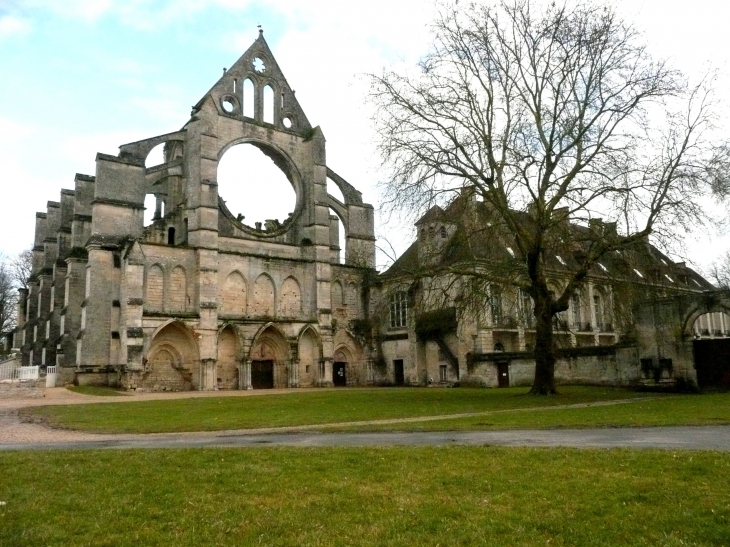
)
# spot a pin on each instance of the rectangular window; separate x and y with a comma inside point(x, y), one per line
point(575, 304)
point(495, 307)
point(443, 375)
point(399, 309)
point(528, 309)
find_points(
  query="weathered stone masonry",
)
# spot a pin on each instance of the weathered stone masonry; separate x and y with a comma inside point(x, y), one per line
point(199, 300)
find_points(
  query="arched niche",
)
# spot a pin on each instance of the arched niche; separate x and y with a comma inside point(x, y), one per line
point(270, 357)
point(310, 357)
point(172, 361)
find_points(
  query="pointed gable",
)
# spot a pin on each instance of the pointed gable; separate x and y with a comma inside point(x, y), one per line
point(258, 66)
point(434, 214)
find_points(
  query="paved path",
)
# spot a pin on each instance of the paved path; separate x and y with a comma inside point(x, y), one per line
point(670, 438)
point(18, 435)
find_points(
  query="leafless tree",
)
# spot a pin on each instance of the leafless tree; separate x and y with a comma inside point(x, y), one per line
point(8, 296)
point(21, 267)
point(548, 113)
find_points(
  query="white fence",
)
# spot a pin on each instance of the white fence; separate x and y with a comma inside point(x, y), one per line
point(51, 376)
point(14, 372)
point(7, 371)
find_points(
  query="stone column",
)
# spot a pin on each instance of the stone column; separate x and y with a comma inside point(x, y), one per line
point(245, 375)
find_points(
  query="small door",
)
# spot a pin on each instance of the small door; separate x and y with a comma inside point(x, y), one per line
point(262, 374)
point(398, 369)
point(338, 374)
point(503, 374)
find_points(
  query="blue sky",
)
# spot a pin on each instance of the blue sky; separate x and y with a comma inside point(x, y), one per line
point(80, 77)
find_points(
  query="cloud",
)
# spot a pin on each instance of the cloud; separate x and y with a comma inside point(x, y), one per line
point(11, 25)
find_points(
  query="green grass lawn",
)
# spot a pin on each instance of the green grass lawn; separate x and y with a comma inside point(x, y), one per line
point(96, 390)
point(318, 407)
point(710, 409)
point(364, 496)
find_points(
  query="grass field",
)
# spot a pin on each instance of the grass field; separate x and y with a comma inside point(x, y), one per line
point(291, 409)
point(386, 496)
point(98, 391)
point(709, 409)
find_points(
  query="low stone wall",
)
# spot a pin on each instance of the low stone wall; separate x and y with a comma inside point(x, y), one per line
point(620, 367)
point(22, 390)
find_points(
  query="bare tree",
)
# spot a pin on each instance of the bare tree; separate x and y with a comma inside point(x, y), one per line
point(21, 267)
point(547, 114)
point(8, 296)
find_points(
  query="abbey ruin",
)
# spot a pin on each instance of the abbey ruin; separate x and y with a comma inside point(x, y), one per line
point(199, 299)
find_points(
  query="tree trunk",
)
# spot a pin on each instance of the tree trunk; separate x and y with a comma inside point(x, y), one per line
point(544, 383)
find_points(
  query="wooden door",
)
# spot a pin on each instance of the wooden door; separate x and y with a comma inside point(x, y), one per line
point(399, 375)
point(503, 373)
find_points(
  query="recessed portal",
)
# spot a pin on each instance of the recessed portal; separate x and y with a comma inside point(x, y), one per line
point(256, 192)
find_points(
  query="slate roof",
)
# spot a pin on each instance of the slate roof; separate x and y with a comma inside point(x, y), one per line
point(642, 264)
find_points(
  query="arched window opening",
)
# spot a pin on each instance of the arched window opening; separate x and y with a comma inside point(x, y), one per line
point(268, 104)
point(171, 236)
point(248, 99)
point(253, 188)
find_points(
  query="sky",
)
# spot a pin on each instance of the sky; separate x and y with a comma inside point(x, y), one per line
point(79, 77)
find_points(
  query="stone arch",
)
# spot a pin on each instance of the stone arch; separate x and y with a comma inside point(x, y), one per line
point(699, 308)
point(172, 361)
point(155, 288)
point(347, 348)
point(177, 293)
point(270, 349)
point(263, 300)
point(309, 347)
point(290, 302)
point(233, 296)
point(227, 369)
point(336, 295)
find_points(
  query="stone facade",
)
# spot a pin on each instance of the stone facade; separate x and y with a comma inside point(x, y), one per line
point(197, 299)
point(433, 332)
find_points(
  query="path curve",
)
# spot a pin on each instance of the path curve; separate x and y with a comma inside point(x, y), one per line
point(18, 435)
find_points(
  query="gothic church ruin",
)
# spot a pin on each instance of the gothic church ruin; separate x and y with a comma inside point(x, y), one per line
point(198, 299)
